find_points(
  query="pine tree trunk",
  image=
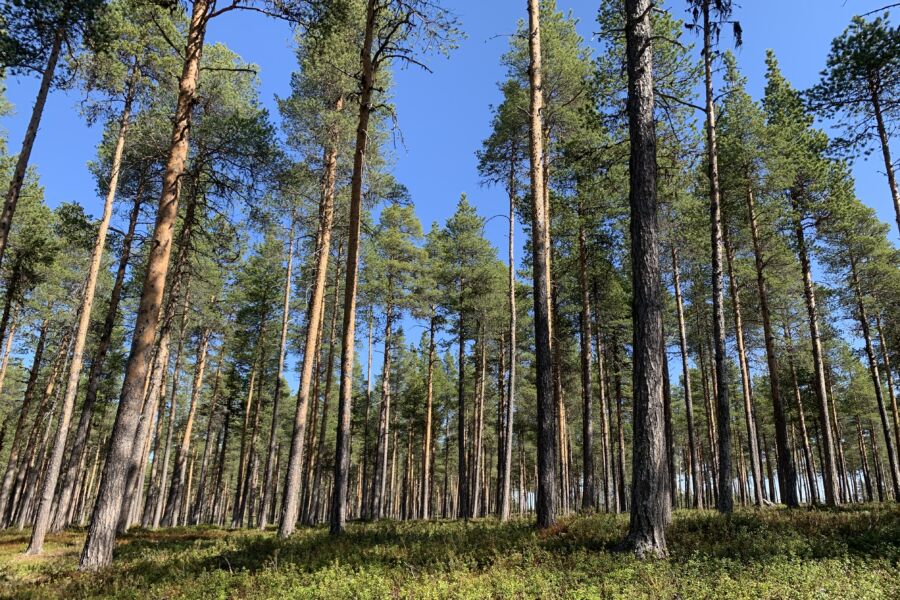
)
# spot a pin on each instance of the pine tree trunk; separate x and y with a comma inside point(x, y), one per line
point(317, 492)
point(650, 508)
point(885, 147)
point(425, 485)
point(384, 414)
point(864, 460)
point(697, 498)
point(587, 420)
point(604, 418)
point(98, 547)
point(290, 504)
point(888, 374)
point(176, 488)
point(787, 473)
point(876, 380)
point(338, 516)
point(749, 408)
point(724, 501)
point(95, 373)
point(242, 458)
point(269, 476)
point(829, 467)
point(160, 510)
point(21, 168)
point(546, 427)
point(51, 475)
point(196, 510)
point(15, 450)
point(510, 407)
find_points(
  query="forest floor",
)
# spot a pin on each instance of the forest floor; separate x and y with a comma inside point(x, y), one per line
point(771, 553)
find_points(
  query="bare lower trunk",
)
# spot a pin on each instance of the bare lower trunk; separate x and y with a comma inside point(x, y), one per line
point(650, 508)
point(177, 494)
point(749, 409)
point(96, 371)
point(890, 448)
point(51, 474)
point(546, 426)
point(15, 450)
point(510, 407)
point(829, 467)
point(696, 477)
point(338, 514)
point(587, 420)
point(268, 475)
point(384, 414)
point(425, 478)
point(787, 473)
point(290, 504)
point(98, 547)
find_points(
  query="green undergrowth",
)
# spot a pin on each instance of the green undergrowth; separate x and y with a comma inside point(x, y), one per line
point(772, 553)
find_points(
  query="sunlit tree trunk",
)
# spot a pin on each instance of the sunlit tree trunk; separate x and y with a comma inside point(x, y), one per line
point(546, 427)
point(290, 504)
point(650, 509)
point(338, 515)
point(98, 547)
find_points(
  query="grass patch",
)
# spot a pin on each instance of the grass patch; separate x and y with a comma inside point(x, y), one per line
point(774, 553)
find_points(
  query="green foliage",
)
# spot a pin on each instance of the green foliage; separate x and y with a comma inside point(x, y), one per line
point(862, 69)
point(771, 554)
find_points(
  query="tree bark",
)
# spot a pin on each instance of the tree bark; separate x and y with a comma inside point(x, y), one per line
point(746, 388)
point(21, 168)
point(98, 547)
point(697, 498)
point(51, 475)
point(425, 485)
point(95, 373)
point(724, 499)
point(890, 448)
point(885, 147)
point(811, 478)
point(510, 407)
point(269, 476)
point(176, 488)
point(290, 504)
point(829, 468)
point(787, 473)
point(15, 449)
point(338, 513)
point(650, 510)
point(546, 427)
point(888, 374)
point(587, 421)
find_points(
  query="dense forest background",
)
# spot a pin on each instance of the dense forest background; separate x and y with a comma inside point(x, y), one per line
point(617, 260)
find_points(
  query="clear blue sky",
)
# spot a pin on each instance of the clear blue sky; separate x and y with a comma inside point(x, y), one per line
point(445, 115)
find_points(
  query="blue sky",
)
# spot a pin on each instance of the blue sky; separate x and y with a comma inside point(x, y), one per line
point(444, 115)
